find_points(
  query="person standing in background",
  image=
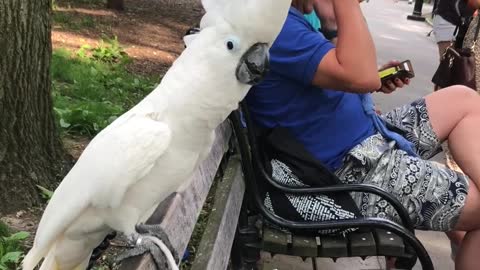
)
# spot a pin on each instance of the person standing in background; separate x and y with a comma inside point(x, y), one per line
point(448, 15)
point(469, 41)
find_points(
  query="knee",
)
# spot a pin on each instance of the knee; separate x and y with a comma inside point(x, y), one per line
point(463, 96)
point(462, 91)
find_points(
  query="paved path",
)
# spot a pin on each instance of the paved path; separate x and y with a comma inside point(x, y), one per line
point(395, 38)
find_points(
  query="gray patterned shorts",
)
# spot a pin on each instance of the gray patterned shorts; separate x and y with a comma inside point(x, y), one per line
point(433, 194)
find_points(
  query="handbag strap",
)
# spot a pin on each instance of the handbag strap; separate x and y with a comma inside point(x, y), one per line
point(477, 30)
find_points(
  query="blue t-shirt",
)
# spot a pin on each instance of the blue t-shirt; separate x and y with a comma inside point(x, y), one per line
point(327, 122)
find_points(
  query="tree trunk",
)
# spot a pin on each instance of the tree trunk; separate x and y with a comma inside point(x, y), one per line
point(30, 149)
point(116, 4)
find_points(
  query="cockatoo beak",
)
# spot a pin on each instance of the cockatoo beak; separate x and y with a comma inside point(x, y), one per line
point(254, 64)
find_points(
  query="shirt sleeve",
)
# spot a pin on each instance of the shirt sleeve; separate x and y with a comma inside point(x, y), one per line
point(298, 51)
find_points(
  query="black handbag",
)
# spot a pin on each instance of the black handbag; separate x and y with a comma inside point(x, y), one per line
point(457, 66)
point(278, 143)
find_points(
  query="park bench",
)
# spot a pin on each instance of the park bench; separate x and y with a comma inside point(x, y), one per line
point(258, 227)
point(239, 226)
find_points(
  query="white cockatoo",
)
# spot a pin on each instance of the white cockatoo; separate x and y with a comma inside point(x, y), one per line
point(152, 150)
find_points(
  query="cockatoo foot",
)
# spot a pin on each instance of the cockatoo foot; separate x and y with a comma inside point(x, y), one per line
point(152, 239)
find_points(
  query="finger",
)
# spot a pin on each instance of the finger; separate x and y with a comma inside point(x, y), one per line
point(398, 83)
point(307, 6)
point(393, 62)
point(406, 81)
point(391, 86)
point(390, 63)
point(385, 89)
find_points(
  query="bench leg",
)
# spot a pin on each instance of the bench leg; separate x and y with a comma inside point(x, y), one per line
point(246, 245)
point(407, 262)
point(314, 263)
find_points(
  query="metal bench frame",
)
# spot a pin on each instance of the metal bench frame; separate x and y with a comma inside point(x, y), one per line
point(249, 240)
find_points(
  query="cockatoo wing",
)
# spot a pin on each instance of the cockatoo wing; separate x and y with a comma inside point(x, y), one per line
point(114, 161)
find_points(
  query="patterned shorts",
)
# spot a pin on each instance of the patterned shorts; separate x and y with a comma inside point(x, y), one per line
point(433, 194)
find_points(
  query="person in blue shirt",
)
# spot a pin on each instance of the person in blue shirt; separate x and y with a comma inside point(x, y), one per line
point(320, 92)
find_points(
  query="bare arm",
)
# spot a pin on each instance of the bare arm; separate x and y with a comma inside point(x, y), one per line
point(352, 66)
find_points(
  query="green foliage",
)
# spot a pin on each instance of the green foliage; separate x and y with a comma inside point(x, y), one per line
point(4, 230)
point(92, 88)
point(11, 251)
point(62, 18)
point(92, 2)
point(100, 268)
point(88, 22)
point(45, 193)
point(109, 51)
point(71, 21)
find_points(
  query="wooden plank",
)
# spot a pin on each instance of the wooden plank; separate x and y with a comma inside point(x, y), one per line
point(216, 244)
point(304, 246)
point(179, 218)
point(389, 244)
point(361, 244)
point(274, 241)
point(333, 246)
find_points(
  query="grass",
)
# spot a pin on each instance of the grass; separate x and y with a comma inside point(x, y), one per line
point(92, 87)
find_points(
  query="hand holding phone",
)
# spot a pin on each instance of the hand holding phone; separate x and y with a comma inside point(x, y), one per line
point(401, 71)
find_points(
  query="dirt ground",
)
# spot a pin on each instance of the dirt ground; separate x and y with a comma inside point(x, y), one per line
point(149, 30)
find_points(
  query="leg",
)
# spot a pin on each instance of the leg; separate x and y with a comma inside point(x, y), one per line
point(456, 238)
point(455, 115)
point(442, 47)
point(152, 239)
point(444, 33)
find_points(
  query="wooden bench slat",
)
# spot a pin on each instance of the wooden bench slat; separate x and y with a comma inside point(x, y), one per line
point(217, 239)
point(274, 241)
point(179, 217)
point(389, 244)
point(304, 246)
point(333, 246)
point(361, 244)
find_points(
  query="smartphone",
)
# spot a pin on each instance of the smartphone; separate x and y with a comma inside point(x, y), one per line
point(402, 71)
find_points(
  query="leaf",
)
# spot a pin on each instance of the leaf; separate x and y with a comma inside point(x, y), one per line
point(18, 236)
point(86, 47)
point(93, 71)
point(46, 193)
point(112, 118)
point(11, 257)
point(64, 124)
point(59, 111)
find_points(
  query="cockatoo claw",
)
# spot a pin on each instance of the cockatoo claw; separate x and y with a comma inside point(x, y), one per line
point(146, 241)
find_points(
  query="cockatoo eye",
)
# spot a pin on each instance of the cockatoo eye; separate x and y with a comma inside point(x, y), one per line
point(232, 44)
